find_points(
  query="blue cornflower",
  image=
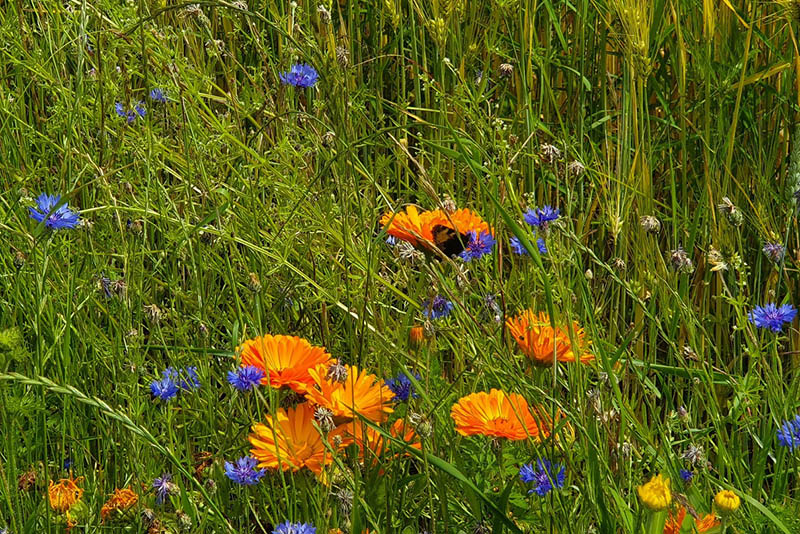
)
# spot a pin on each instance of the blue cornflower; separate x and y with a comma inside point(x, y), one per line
point(139, 108)
point(686, 475)
point(246, 378)
point(300, 75)
point(129, 116)
point(68, 463)
point(59, 219)
point(540, 217)
point(391, 240)
point(295, 528)
point(518, 248)
point(402, 387)
point(157, 95)
point(164, 487)
point(789, 434)
point(774, 251)
point(185, 379)
point(478, 246)
point(437, 308)
point(546, 477)
point(165, 389)
point(244, 471)
point(773, 317)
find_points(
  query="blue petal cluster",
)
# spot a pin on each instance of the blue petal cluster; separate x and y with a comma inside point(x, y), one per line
point(402, 387)
point(437, 308)
point(130, 114)
point(545, 477)
point(172, 381)
point(772, 316)
point(686, 475)
point(244, 471)
point(789, 434)
point(58, 219)
point(295, 528)
point(300, 75)
point(478, 245)
point(164, 487)
point(518, 248)
point(157, 95)
point(540, 217)
point(246, 378)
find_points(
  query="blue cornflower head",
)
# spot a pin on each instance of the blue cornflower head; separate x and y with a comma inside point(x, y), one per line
point(773, 317)
point(789, 434)
point(119, 109)
point(58, 219)
point(300, 75)
point(541, 217)
point(545, 477)
point(437, 308)
point(774, 251)
point(164, 487)
point(478, 245)
point(518, 248)
point(185, 379)
point(244, 471)
point(295, 528)
point(165, 389)
point(686, 475)
point(157, 95)
point(402, 387)
point(391, 240)
point(246, 378)
point(139, 108)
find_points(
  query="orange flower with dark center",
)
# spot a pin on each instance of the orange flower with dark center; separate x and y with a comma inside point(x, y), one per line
point(285, 360)
point(360, 393)
point(290, 442)
point(540, 342)
point(420, 229)
point(498, 414)
point(120, 502)
point(64, 494)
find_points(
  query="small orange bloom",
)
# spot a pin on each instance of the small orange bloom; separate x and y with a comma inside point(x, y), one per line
point(417, 228)
point(285, 360)
point(360, 393)
point(541, 342)
point(416, 336)
point(673, 524)
point(120, 502)
point(497, 414)
point(64, 494)
point(701, 525)
point(289, 441)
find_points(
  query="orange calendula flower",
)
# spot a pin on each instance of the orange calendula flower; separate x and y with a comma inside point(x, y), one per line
point(290, 442)
point(541, 342)
point(120, 502)
point(64, 494)
point(285, 360)
point(429, 229)
point(706, 523)
point(358, 393)
point(498, 414)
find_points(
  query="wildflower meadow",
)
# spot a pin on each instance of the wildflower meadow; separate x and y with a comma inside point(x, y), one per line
point(400, 267)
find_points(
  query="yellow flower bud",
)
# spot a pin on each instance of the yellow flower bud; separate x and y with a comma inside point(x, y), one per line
point(655, 494)
point(726, 502)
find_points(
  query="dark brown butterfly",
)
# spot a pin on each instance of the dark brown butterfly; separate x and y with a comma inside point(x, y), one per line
point(449, 241)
